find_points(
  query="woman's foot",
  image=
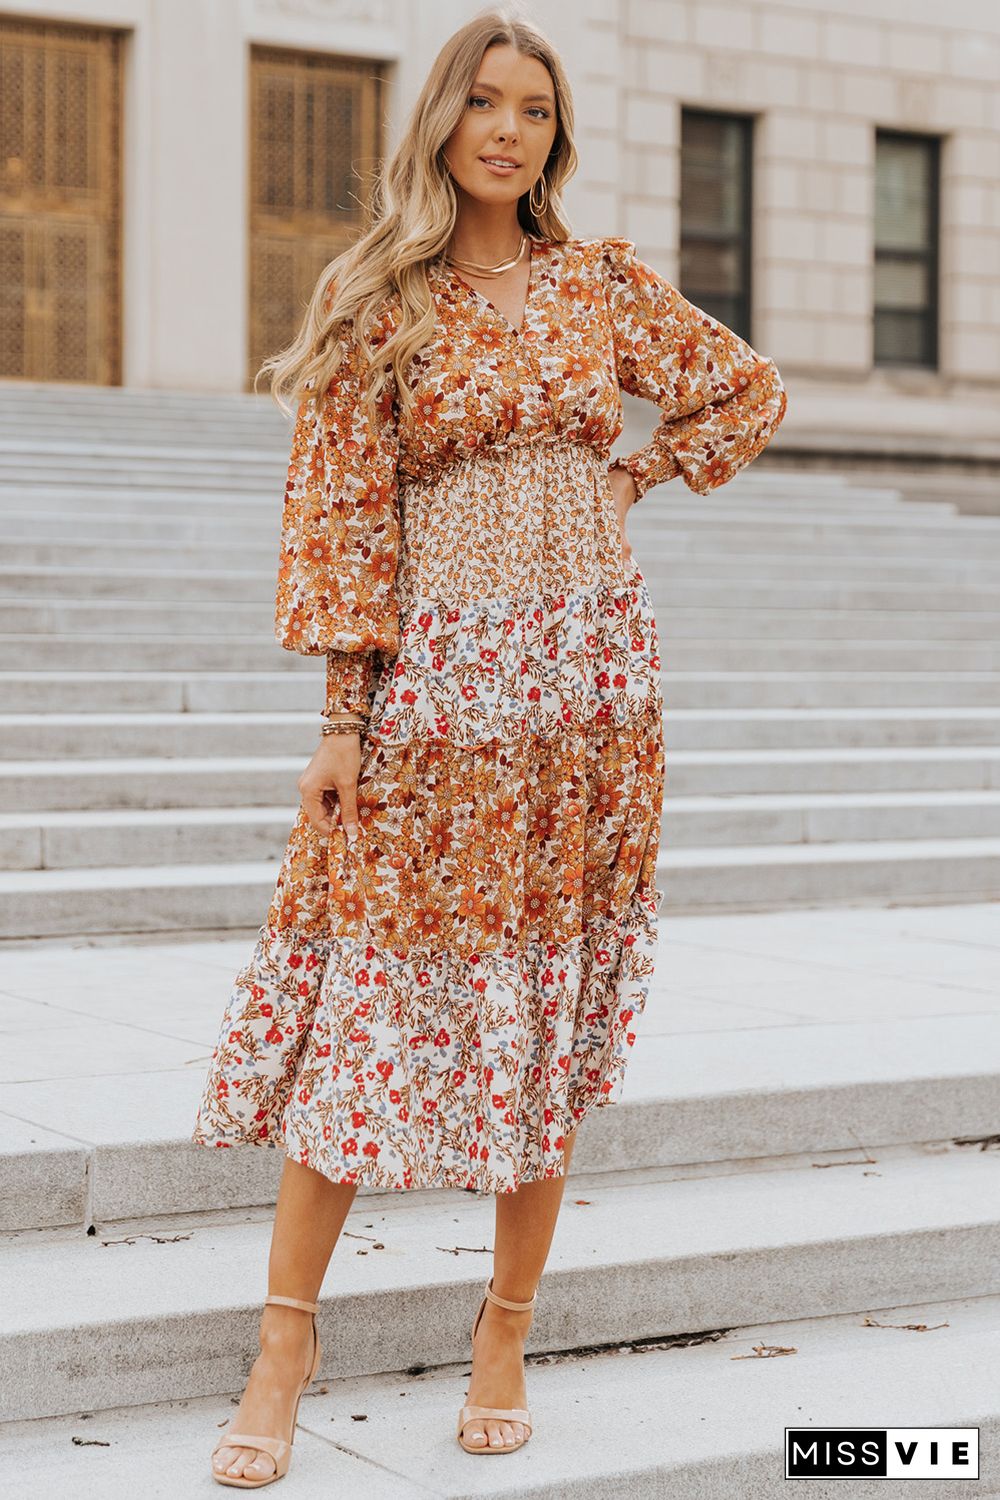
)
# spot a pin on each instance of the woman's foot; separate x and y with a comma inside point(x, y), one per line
point(498, 1375)
point(284, 1361)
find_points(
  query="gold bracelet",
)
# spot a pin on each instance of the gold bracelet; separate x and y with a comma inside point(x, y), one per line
point(348, 726)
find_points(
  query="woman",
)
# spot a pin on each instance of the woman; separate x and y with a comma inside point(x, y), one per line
point(464, 924)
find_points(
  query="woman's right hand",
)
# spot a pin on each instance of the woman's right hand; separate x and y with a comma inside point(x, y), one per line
point(330, 781)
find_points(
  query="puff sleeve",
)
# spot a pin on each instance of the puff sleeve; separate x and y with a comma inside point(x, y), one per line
point(340, 533)
point(721, 401)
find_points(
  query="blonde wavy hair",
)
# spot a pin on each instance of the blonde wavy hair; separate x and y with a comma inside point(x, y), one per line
point(414, 207)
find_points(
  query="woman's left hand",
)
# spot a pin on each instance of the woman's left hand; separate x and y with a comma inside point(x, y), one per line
point(624, 492)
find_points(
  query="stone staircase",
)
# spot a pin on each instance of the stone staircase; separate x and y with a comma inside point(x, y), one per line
point(831, 672)
point(804, 1160)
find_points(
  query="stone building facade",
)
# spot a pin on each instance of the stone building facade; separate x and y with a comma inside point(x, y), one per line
point(842, 114)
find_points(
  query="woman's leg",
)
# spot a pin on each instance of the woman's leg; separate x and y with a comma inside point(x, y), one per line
point(308, 1219)
point(525, 1223)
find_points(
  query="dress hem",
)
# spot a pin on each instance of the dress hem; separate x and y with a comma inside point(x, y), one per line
point(388, 1181)
point(511, 1125)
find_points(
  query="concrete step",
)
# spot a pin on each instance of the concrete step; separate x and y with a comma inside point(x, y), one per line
point(92, 454)
point(94, 736)
point(127, 421)
point(678, 623)
point(124, 405)
point(739, 531)
point(101, 1087)
point(793, 519)
point(135, 488)
point(889, 769)
point(783, 876)
point(729, 1406)
point(121, 423)
point(270, 439)
point(702, 822)
point(201, 586)
point(685, 513)
point(137, 476)
point(173, 412)
point(137, 899)
point(762, 877)
point(34, 460)
point(165, 836)
point(46, 396)
point(160, 782)
point(762, 689)
point(800, 728)
point(155, 781)
point(94, 431)
point(23, 433)
point(239, 586)
point(94, 651)
point(184, 735)
point(797, 599)
point(222, 835)
point(135, 484)
point(659, 565)
point(48, 615)
point(283, 691)
point(723, 1250)
point(83, 464)
point(885, 1020)
point(949, 541)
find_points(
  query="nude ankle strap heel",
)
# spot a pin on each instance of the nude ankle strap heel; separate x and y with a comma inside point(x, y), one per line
point(312, 1307)
point(506, 1414)
point(279, 1449)
point(503, 1302)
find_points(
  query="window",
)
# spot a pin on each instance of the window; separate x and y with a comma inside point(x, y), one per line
point(906, 249)
point(715, 215)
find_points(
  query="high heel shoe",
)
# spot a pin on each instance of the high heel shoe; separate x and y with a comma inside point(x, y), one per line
point(506, 1414)
point(280, 1449)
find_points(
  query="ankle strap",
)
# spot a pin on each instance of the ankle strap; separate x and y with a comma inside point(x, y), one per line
point(312, 1307)
point(503, 1301)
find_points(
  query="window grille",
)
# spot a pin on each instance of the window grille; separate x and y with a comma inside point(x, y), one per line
point(60, 202)
point(316, 138)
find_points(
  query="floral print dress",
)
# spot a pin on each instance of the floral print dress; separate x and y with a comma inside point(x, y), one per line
point(439, 1004)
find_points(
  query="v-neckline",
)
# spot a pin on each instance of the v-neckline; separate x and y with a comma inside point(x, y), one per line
point(533, 246)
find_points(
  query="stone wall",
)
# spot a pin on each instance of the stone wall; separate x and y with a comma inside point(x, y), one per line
point(818, 80)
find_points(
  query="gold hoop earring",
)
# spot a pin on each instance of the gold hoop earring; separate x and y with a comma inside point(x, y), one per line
point(539, 209)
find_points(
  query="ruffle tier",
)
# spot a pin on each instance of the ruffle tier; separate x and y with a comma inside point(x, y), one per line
point(441, 1002)
point(430, 1070)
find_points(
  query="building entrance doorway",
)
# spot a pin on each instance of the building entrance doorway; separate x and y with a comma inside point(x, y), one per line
point(60, 202)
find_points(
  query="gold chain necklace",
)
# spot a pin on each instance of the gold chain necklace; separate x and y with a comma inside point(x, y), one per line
point(498, 270)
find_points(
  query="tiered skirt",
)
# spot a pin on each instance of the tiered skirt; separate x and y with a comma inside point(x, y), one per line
point(439, 1004)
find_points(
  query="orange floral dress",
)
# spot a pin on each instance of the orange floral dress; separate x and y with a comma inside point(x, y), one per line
point(438, 1005)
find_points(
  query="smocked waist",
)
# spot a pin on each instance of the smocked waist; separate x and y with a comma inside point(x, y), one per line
point(519, 519)
point(516, 455)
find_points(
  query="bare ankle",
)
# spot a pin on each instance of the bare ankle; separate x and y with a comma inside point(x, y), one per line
point(501, 1321)
point(284, 1328)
